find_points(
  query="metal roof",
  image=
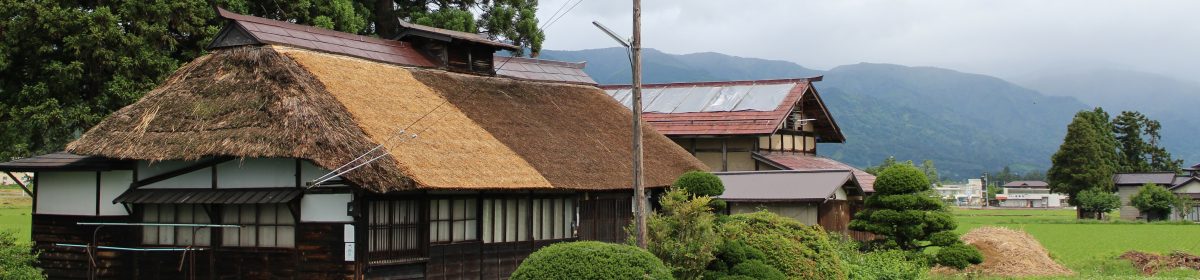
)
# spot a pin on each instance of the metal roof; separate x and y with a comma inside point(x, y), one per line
point(542, 70)
point(1027, 184)
point(784, 185)
point(275, 32)
point(764, 97)
point(806, 162)
point(1138, 179)
point(447, 34)
point(209, 196)
point(64, 161)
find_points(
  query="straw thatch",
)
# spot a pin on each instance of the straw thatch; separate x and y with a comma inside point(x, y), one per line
point(485, 133)
point(244, 102)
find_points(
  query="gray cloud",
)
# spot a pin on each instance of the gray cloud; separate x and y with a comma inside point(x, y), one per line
point(1010, 38)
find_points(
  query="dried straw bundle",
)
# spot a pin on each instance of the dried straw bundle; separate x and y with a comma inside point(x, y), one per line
point(1011, 253)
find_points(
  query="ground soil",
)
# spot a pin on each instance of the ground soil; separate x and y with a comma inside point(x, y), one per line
point(1149, 263)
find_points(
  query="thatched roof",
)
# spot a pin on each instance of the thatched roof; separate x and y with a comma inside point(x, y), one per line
point(486, 133)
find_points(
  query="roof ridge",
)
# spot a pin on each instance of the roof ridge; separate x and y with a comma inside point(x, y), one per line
point(724, 83)
point(577, 65)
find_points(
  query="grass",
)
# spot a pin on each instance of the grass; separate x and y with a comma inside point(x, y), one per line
point(1090, 248)
point(14, 213)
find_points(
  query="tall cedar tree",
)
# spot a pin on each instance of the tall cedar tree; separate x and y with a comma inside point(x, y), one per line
point(1137, 137)
point(1086, 158)
point(65, 65)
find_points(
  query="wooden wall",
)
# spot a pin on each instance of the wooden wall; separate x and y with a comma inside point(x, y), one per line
point(72, 263)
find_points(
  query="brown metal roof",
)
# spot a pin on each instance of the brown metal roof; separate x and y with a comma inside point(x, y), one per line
point(800, 161)
point(208, 196)
point(784, 185)
point(63, 161)
point(276, 32)
point(533, 69)
point(1138, 179)
point(1027, 184)
point(426, 31)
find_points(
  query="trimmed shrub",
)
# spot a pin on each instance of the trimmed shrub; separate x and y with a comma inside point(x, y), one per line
point(757, 269)
point(797, 250)
point(1155, 201)
point(958, 256)
point(700, 183)
point(16, 259)
point(736, 259)
point(591, 260)
point(683, 234)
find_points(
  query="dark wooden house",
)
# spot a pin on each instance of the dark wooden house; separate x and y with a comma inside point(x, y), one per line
point(759, 125)
point(293, 152)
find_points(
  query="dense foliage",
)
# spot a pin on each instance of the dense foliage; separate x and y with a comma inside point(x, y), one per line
point(907, 217)
point(591, 260)
point(736, 259)
point(1137, 139)
point(683, 233)
point(1096, 202)
point(17, 260)
point(882, 264)
point(1087, 157)
point(1155, 201)
point(700, 183)
point(958, 256)
point(65, 65)
point(797, 250)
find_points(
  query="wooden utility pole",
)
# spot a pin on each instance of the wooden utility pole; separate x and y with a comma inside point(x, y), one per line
point(638, 188)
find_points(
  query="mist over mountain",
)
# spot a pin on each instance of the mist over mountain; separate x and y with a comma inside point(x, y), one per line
point(967, 123)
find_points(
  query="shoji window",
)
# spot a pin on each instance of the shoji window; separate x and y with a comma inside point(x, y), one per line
point(262, 225)
point(175, 214)
point(553, 218)
point(453, 220)
point(393, 231)
point(505, 220)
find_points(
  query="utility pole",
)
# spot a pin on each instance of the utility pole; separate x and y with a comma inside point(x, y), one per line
point(986, 199)
point(638, 189)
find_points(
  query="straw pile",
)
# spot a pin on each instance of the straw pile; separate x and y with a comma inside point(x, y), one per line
point(1011, 253)
point(1150, 263)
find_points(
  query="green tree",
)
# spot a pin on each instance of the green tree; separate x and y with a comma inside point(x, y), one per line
point(1138, 137)
point(1095, 202)
point(1154, 200)
point(683, 234)
point(1184, 207)
point(16, 259)
point(908, 219)
point(510, 20)
point(1084, 160)
point(931, 172)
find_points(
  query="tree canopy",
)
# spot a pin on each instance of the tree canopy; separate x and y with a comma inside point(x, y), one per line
point(1138, 143)
point(1154, 200)
point(65, 65)
point(1085, 159)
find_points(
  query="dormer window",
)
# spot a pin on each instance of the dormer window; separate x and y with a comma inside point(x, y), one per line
point(454, 50)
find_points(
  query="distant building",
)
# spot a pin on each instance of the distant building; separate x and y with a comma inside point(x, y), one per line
point(6, 180)
point(1030, 194)
point(969, 194)
point(1187, 186)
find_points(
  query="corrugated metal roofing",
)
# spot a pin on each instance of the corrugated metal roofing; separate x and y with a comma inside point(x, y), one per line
point(790, 185)
point(1137, 179)
point(542, 70)
point(314, 38)
point(64, 161)
point(709, 98)
point(208, 196)
point(795, 161)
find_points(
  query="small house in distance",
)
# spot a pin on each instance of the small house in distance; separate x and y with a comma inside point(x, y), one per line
point(1186, 186)
point(738, 127)
point(1029, 194)
point(431, 168)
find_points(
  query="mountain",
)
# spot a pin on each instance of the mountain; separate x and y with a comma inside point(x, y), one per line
point(966, 123)
point(1170, 101)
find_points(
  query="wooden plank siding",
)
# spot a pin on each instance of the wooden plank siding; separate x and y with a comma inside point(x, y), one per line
point(72, 263)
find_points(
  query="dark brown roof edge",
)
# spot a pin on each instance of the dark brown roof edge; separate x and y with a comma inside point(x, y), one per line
point(576, 65)
point(472, 37)
point(723, 83)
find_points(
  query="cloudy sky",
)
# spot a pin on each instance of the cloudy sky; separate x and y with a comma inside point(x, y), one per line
point(1009, 38)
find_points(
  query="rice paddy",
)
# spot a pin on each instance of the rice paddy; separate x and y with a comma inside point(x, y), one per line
point(1091, 248)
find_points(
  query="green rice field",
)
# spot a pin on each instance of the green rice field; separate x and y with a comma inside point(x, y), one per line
point(1090, 248)
point(14, 215)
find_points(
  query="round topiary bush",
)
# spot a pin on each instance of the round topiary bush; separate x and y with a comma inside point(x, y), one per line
point(900, 179)
point(591, 260)
point(958, 256)
point(700, 183)
point(797, 250)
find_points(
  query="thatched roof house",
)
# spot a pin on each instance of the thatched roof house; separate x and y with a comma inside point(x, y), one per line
point(478, 132)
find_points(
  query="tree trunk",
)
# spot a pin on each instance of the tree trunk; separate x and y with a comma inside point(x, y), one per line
point(386, 22)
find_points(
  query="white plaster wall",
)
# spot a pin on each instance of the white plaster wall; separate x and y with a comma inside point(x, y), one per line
point(112, 185)
point(257, 173)
point(839, 194)
point(66, 193)
point(311, 171)
point(197, 179)
point(325, 208)
point(1193, 187)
